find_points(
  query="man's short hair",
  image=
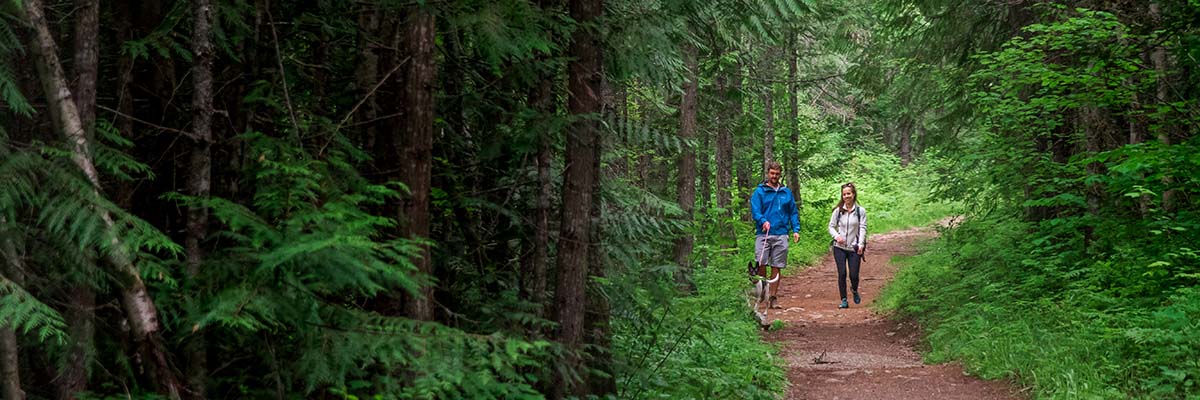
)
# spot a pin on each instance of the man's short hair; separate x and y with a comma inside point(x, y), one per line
point(774, 165)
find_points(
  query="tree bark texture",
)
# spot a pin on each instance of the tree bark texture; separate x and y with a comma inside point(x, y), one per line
point(724, 144)
point(1160, 61)
point(769, 131)
point(10, 366)
point(136, 300)
point(533, 279)
point(602, 380)
point(743, 141)
point(80, 316)
point(704, 170)
point(87, 60)
point(906, 128)
point(686, 187)
point(793, 162)
point(200, 173)
point(583, 86)
point(73, 377)
point(541, 99)
point(416, 156)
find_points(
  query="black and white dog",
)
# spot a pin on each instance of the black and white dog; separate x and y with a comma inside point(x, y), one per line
point(759, 293)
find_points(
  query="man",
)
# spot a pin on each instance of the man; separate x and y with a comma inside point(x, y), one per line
point(775, 214)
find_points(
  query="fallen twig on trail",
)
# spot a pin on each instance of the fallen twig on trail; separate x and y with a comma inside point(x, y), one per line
point(821, 359)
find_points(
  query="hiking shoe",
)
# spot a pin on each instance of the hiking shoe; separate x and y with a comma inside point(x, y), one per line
point(857, 299)
point(844, 304)
point(773, 305)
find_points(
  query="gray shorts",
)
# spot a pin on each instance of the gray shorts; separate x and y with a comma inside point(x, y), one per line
point(775, 246)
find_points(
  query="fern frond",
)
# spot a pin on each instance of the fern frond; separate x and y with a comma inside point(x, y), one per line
point(10, 92)
point(645, 136)
point(10, 43)
point(25, 313)
point(110, 156)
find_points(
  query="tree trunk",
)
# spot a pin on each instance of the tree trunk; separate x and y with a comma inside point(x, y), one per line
point(10, 366)
point(769, 132)
point(80, 314)
point(687, 168)
point(793, 165)
point(574, 239)
point(416, 153)
point(366, 76)
point(139, 308)
point(535, 279)
point(1158, 58)
point(601, 380)
point(1095, 126)
point(704, 171)
point(741, 143)
point(87, 61)
point(906, 128)
point(724, 159)
point(200, 173)
point(541, 99)
point(1139, 128)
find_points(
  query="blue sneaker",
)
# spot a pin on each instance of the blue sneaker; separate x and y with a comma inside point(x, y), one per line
point(857, 299)
point(844, 304)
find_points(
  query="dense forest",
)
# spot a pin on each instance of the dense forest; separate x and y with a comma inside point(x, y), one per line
point(549, 198)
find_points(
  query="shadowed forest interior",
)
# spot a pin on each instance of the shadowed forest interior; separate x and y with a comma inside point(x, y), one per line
point(549, 198)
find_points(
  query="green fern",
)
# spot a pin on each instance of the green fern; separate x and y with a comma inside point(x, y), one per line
point(10, 93)
point(292, 266)
point(110, 154)
point(24, 313)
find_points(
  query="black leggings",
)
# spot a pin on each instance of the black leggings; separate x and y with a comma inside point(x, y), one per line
point(840, 258)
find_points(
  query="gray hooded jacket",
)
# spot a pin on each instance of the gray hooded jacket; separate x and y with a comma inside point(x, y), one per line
point(851, 225)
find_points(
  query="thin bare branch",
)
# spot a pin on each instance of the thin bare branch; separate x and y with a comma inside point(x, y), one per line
point(287, 98)
point(359, 104)
point(190, 135)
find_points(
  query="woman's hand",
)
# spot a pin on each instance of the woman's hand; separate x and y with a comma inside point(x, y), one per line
point(860, 249)
point(841, 240)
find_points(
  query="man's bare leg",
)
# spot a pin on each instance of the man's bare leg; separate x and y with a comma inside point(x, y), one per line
point(774, 287)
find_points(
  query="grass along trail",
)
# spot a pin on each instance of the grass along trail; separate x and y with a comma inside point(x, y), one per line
point(855, 353)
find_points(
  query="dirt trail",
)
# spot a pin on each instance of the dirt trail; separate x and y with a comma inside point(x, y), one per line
point(855, 353)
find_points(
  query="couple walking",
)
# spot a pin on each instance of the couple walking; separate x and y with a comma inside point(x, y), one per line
point(775, 215)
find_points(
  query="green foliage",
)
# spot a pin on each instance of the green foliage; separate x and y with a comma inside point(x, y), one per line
point(10, 94)
point(1073, 274)
point(24, 313)
point(1009, 305)
point(303, 273)
point(295, 265)
point(665, 345)
point(54, 232)
point(10, 49)
point(701, 346)
point(894, 197)
point(164, 41)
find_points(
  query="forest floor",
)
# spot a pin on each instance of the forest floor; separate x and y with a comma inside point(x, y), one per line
point(856, 353)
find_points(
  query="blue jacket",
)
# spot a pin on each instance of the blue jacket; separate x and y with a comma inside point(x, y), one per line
point(777, 206)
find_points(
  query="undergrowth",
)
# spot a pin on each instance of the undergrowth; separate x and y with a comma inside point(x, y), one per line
point(1007, 305)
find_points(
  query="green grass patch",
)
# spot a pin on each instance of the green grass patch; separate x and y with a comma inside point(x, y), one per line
point(989, 298)
point(702, 346)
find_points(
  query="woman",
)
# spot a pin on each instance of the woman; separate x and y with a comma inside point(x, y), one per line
point(848, 227)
